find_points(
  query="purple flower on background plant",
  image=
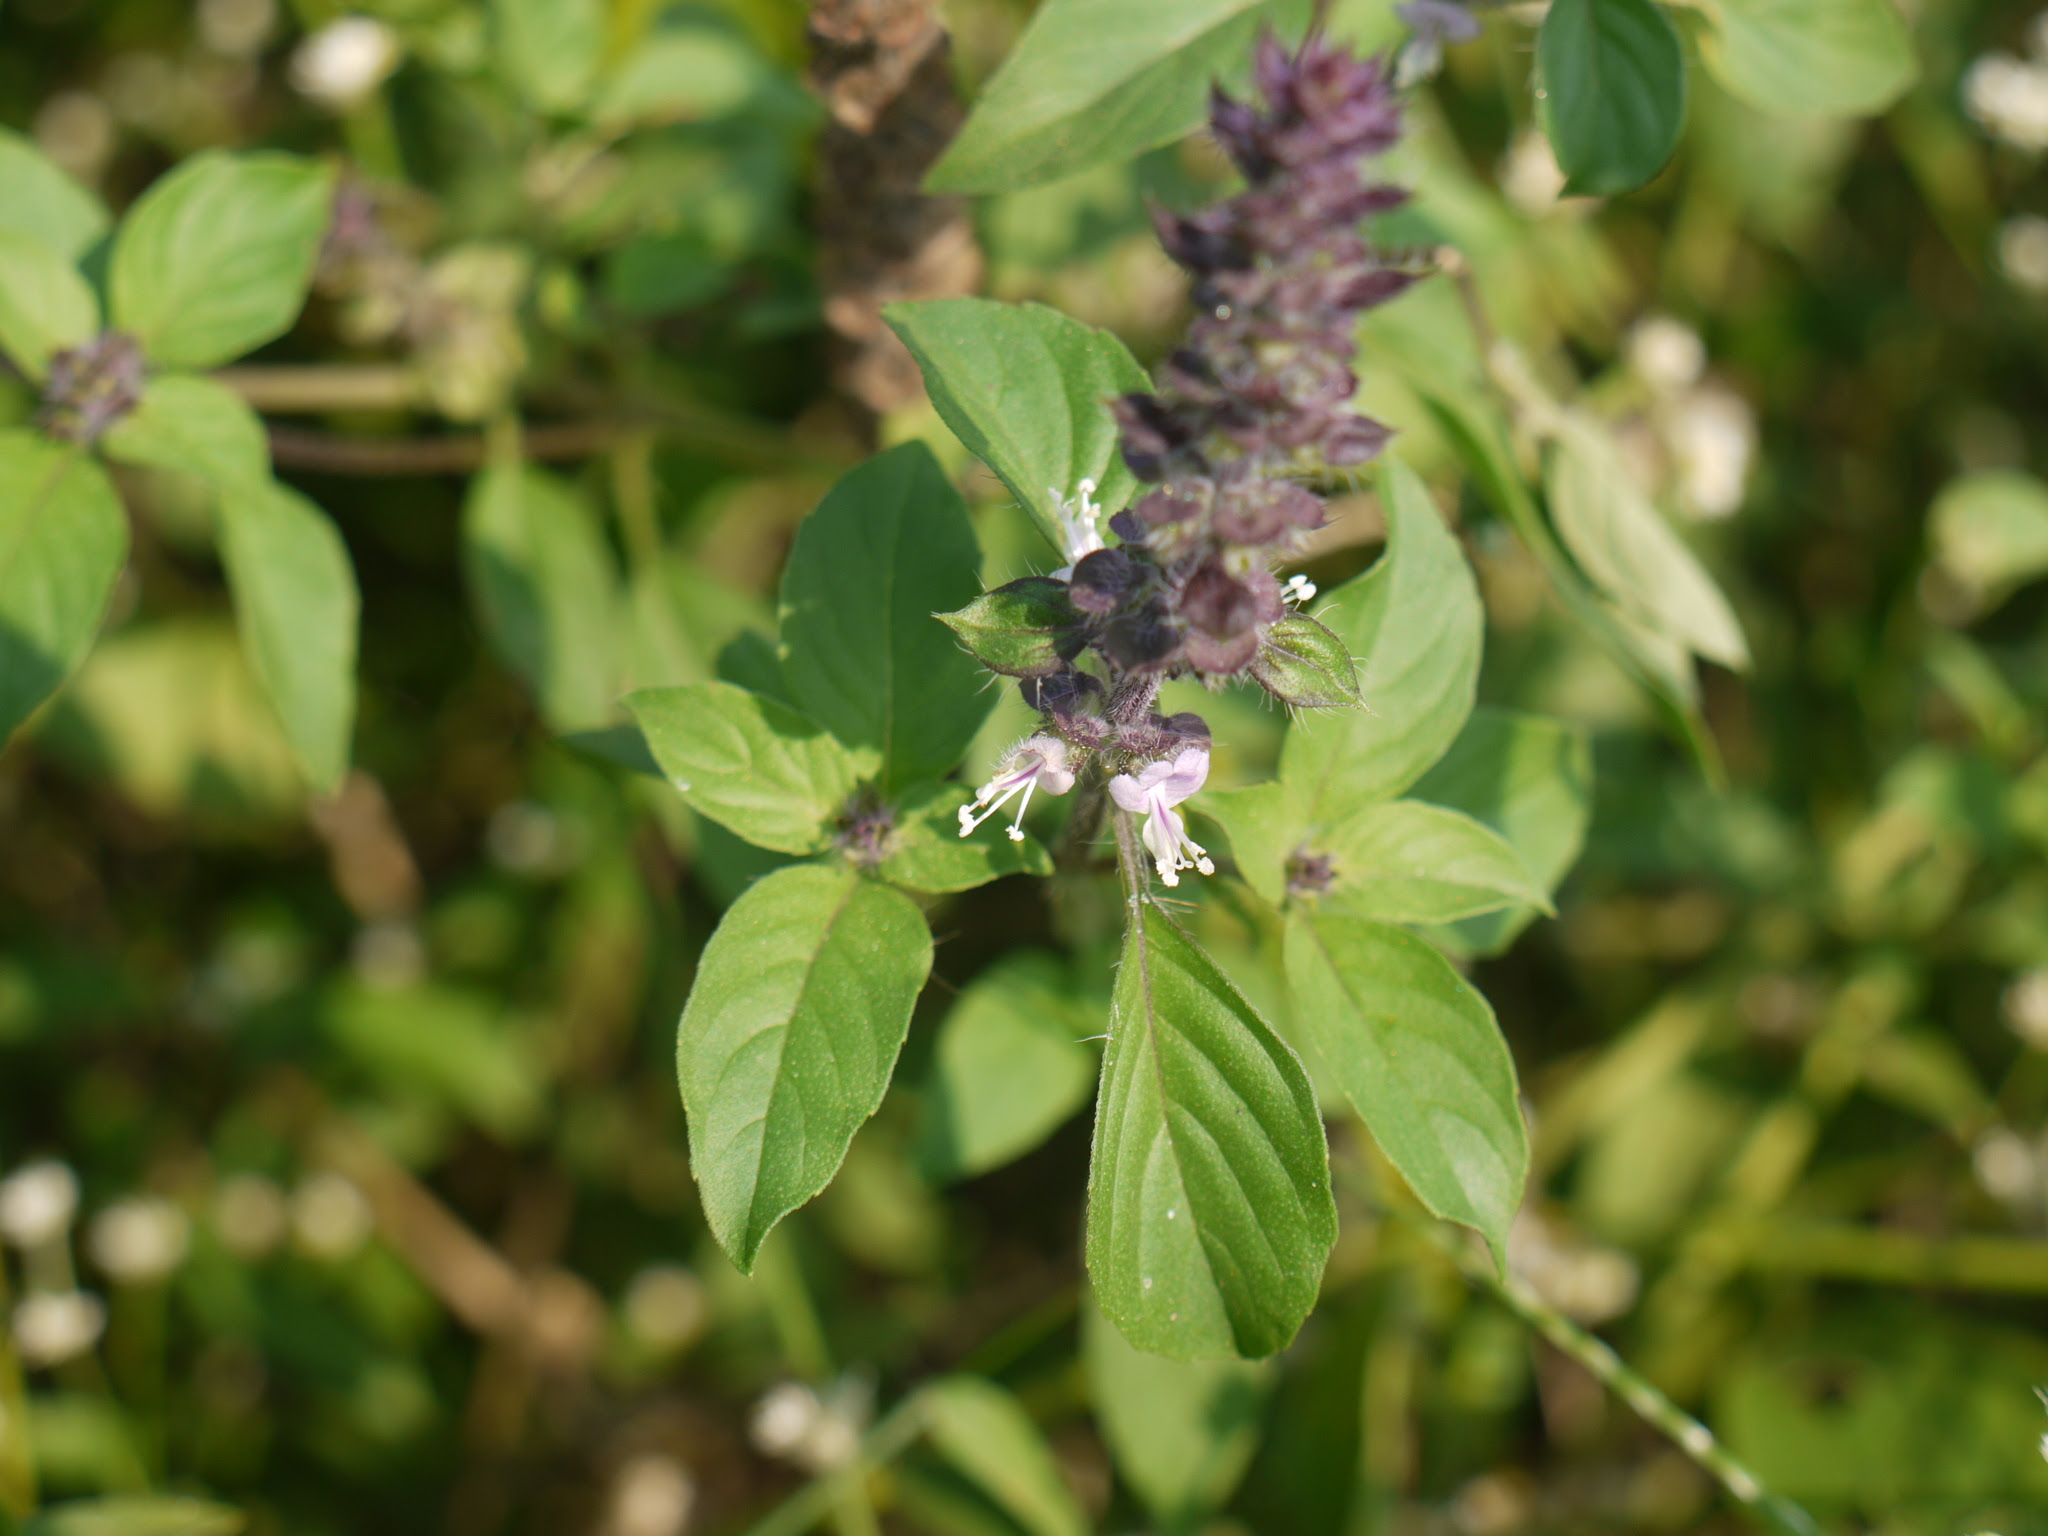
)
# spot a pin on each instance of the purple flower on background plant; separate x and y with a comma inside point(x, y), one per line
point(1040, 762)
point(1153, 793)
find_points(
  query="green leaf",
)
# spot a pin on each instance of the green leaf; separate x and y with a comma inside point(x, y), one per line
point(545, 586)
point(1026, 388)
point(679, 74)
point(549, 50)
point(455, 1046)
point(1809, 58)
point(137, 1515)
point(215, 258)
point(41, 201)
point(1090, 81)
point(296, 606)
point(1990, 530)
point(753, 765)
point(985, 1433)
point(1209, 1207)
point(1182, 1431)
point(1008, 1069)
point(1028, 628)
point(1529, 778)
point(927, 853)
point(45, 306)
point(1613, 96)
point(196, 427)
point(1630, 551)
point(63, 540)
point(1415, 622)
point(1407, 862)
point(1417, 1052)
point(802, 1000)
point(1261, 826)
point(888, 548)
point(1302, 662)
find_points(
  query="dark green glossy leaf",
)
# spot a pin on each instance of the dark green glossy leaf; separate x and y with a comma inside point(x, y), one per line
point(1613, 91)
point(800, 1006)
point(1027, 628)
point(1303, 663)
point(1209, 1208)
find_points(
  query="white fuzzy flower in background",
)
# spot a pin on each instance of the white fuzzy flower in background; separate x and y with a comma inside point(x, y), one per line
point(1529, 175)
point(54, 1326)
point(2009, 99)
point(139, 1241)
point(1713, 441)
point(2006, 1167)
point(249, 1215)
point(38, 1204)
point(342, 63)
point(653, 1495)
point(330, 1218)
point(2023, 252)
point(665, 1307)
point(1666, 353)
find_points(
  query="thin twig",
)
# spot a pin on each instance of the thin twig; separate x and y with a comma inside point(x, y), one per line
point(332, 453)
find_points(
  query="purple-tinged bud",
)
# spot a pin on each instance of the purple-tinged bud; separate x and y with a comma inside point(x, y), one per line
point(1154, 436)
point(1266, 512)
point(1064, 693)
point(1224, 616)
point(1144, 640)
point(1202, 242)
point(1104, 581)
point(1355, 440)
point(91, 386)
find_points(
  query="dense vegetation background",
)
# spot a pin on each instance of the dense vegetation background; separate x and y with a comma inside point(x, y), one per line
point(383, 1215)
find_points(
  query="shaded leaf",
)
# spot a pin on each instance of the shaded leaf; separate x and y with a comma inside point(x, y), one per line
point(1613, 91)
point(988, 1436)
point(137, 1515)
point(549, 50)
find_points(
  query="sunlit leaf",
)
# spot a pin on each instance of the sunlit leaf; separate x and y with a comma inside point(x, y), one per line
point(45, 306)
point(988, 1436)
point(549, 50)
point(1407, 862)
point(194, 426)
point(1799, 58)
point(41, 201)
point(927, 853)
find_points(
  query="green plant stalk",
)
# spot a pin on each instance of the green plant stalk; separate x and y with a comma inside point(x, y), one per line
point(17, 1451)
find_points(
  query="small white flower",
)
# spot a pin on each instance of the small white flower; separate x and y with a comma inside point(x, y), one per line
point(653, 1495)
point(139, 1241)
point(54, 1326)
point(1666, 353)
point(2023, 251)
point(1299, 590)
point(2009, 99)
point(344, 61)
point(1040, 763)
point(37, 1204)
point(1713, 438)
point(1153, 793)
point(331, 1217)
point(1080, 525)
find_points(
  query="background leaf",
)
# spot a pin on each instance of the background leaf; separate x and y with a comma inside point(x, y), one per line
point(1414, 626)
point(1407, 862)
point(549, 49)
point(1417, 1053)
point(137, 1515)
point(63, 539)
point(1990, 530)
point(1209, 1207)
point(214, 259)
point(748, 762)
point(45, 306)
point(985, 1432)
point(927, 852)
point(1026, 388)
point(801, 1003)
point(193, 426)
point(1090, 81)
point(887, 549)
point(1613, 97)
point(41, 201)
point(1795, 58)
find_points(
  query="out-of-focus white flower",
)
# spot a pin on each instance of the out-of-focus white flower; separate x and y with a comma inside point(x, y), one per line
point(2023, 251)
point(2009, 99)
point(51, 1327)
point(330, 1218)
point(249, 1215)
point(1587, 1283)
point(344, 61)
point(1713, 439)
point(1666, 353)
point(1529, 175)
point(139, 1241)
point(235, 29)
point(388, 956)
point(653, 1495)
point(2006, 1167)
point(76, 129)
point(38, 1204)
point(793, 1422)
point(2025, 1006)
point(524, 837)
point(665, 1307)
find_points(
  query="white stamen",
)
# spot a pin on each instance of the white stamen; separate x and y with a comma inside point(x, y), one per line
point(1299, 590)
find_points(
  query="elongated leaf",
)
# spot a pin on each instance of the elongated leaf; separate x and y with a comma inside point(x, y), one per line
point(1414, 625)
point(45, 306)
point(1025, 628)
point(1418, 1054)
point(549, 49)
point(1529, 778)
point(41, 201)
point(1026, 388)
point(547, 590)
point(1209, 1207)
point(1182, 1431)
point(1407, 862)
point(680, 74)
point(1990, 530)
point(297, 606)
point(801, 1003)
point(195, 426)
point(988, 1436)
point(1628, 548)
point(63, 539)
point(214, 259)
point(137, 1515)
point(751, 764)
point(1009, 1067)
point(1095, 80)
point(1614, 91)
point(887, 549)
point(1799, 58)
point(927, 853)
point(1303, 663)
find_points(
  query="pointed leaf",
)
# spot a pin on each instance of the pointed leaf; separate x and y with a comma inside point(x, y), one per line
point(801, 1003)
point(296, 605)
point(888, 548)
point(1417, 1052)
point(194, 426)
point(1414, 623)
point(215, 258)
point(1209, 1206)
point(750, 763)
point(1797, 58)
point(1026, 628)
point(1262, 826)
point(41, 201)
point(1027, 389)
point(63, 540)
point(1613, 98)
point(136, 1514)
point(45, 306)
point(1407, 862)
point(1302, 662)
point(988, 1436)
